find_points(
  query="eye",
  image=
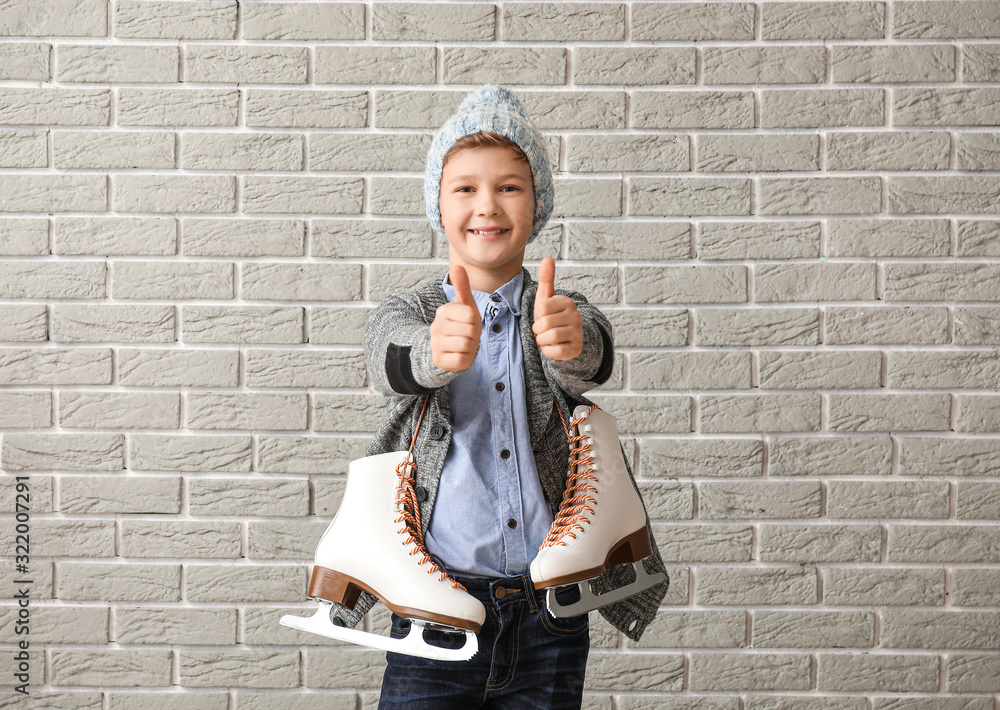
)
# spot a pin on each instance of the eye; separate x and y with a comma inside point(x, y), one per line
point(512, 187)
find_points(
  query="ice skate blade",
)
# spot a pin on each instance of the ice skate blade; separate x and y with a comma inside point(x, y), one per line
point(590, 601)
point(412, 644)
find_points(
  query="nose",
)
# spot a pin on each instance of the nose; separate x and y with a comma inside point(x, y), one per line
point(487, 203)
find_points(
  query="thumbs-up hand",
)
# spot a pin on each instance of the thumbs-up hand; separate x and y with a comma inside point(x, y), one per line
point(457, 326)
point(558, 326)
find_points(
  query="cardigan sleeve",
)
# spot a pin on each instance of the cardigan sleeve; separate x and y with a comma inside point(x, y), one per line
point(592, 367)
point(397, 342)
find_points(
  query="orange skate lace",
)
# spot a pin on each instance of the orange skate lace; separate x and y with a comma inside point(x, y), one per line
point(409, 513)
point(571, 510)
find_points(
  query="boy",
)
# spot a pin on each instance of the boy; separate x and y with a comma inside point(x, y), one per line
point(492, 348)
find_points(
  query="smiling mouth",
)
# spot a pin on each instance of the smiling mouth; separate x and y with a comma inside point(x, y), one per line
point(487, 233)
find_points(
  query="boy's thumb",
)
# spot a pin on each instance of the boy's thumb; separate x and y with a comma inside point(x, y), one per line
point(463, 291)
point(546, 278)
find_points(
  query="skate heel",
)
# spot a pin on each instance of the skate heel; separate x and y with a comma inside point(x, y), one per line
point(333, 587)
point(631, 549)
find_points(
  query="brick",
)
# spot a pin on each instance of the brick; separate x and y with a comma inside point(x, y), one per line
point(953, 281)
point(977, 500)
point(52, 279)
point(310, 454)
point(53, 193)
point(233, 496)
point(924, 20)
point(69, 538)
point(692, 21)
point(667, 500)
point(304, 21)
point(23, 149)
point(75, 452)
point(180, 280)
point(829, 456)
point(28, 410)
point(337, 325)
point(978, 413)
point(932, 702)
point(703, 542)
point(295, 195)
point(120, 494)
point(188, 367)
point(365, 152)
point(150, 452)
point(82, 366)
point(973, 586)
point(176, 538)
point(111, 667)
point(394, 238)
point(269, 700)
point(58, 624)
point(980, 62)
point(174, 193)
point(940, 629)
point(117, 63)
point(433, 22)
point(944, 107)
point(943, 543)
point(970, 672)
point(175, 626)
point(27, 61)
point(763, 65)
point(635, 672)
point(889, 412)
point(820, 195)
point(977, 325)
point(169, 700)
point(759, 499)
point(831, 281)
point(347, 412)
point(104, 323)
point(23, 323)
point(243, 237)
point(700, 629)
point(698, 457)
point(828, 20)
point(67, 18)
point(206, 19)
point(308, 368)
point(879, 671)
point(804, 702)
point(244, 668)
point(356, 64)
point(120, 410)
point(663, 196)
point(758, 240)
point(175, 108)
point(811, 629)
point(878, 586)
point(943, 369)
point(685, 284)
point(809, 544)
point(54, 701)
point(978, 238)
point(644, 153)
point(301, 281)
point(887, 499)
point(855, 369)
point(932, 456)
point(587, 198)
point(112, 149)
point(638, 66)
point(756, 586)
point(55, 107)
point(510, 65)
point(560, 22)
point(977, 151)
point(816, 108)
point(237, 151)
point(290, 108)
point(749, 671)
point(886, 325)
point(888, 151)
point(103, 236)
point(397, 196)
point(757, 153)
point(892, 64)
point(256, 410)
point(244, 583)
point(751, 326)
point(628, 240)
point(689, 370)
point(692, 109)
point(895, 237)
point(283, 540)
point(245, 64)
point(938, 195)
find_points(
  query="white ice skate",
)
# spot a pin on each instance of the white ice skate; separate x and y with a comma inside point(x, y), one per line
point(601, 520)
point(374, 543)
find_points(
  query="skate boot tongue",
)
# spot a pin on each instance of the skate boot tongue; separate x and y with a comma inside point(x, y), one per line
point(579, 498)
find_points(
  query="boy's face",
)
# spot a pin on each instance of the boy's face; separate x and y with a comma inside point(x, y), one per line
point(487, 189)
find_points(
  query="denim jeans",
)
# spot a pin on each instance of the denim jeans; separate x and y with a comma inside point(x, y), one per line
point(527, 659)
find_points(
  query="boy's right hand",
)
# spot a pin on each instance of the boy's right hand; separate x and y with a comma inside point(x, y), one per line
point(457, 326)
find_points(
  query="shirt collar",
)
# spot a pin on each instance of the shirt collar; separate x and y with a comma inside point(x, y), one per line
point(510, 292)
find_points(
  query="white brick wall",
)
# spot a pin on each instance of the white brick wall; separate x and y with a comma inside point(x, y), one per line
point(787, 209)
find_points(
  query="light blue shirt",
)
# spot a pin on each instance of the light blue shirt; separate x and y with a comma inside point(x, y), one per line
point(490, 515)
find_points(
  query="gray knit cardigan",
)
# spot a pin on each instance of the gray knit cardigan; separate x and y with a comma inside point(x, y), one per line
point(397, 342)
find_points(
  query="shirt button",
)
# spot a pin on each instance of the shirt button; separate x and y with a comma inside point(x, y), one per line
point(512, 523)
point(499, 386)
point(505, 454)
point(421, 493)
point(495, 298)
point(496, 328)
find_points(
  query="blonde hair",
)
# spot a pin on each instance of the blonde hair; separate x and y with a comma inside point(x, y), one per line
point(484, 139)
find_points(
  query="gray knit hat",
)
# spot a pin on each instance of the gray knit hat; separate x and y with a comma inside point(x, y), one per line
point(497, 110)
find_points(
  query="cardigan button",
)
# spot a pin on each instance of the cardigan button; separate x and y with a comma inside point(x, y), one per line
point(437, 431)
point(421, 493)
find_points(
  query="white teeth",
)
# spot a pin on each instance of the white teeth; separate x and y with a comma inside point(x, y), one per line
point(479, 231)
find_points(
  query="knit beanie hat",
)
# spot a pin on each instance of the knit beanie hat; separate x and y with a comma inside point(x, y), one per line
point(495, 109)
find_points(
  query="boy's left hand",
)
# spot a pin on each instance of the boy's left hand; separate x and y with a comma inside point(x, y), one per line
point(558, 326)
